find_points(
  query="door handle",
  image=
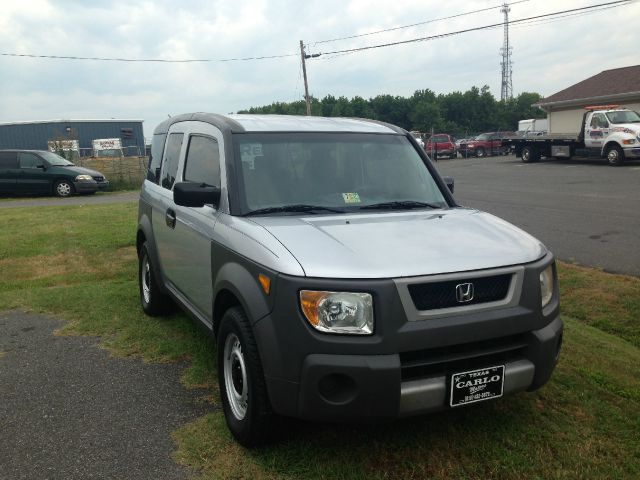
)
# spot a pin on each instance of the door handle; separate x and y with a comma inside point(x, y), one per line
point(170, 218)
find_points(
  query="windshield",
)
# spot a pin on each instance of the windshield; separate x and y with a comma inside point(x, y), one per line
point(340, 171)
point(482, 137)
point(54, 160)
point(440, 139)
point(623, 116)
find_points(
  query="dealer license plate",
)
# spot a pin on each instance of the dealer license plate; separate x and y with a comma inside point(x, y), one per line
point(476, 385)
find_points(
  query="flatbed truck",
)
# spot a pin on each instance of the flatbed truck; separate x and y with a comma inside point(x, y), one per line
point(607, 132)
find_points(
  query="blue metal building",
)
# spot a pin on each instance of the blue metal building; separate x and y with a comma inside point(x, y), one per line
point(35, 135)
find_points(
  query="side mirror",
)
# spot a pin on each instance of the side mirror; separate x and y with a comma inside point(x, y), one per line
point(450, 183)
point(43, 167)
point(189, 194)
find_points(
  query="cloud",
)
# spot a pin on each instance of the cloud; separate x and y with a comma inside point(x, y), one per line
point(547, 57)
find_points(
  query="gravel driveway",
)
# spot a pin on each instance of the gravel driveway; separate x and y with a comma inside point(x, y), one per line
point(98, 198)
point(69, 410)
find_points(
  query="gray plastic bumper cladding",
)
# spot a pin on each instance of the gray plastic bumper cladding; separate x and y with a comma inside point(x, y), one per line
point(405, 367)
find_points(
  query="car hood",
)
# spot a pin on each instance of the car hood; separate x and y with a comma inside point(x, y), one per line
point(621, 127)
point(402, 244)
point(82, 171)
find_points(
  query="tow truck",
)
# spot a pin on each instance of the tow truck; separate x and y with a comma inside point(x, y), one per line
point(607, 132)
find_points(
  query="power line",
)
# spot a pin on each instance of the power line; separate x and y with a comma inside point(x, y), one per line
point(148, 60)
point(392, 29)
point(617, 3)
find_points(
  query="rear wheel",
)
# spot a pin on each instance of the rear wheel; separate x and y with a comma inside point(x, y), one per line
point(615, 155)
point(242, 386)
point(63, 188)
point(530, 154)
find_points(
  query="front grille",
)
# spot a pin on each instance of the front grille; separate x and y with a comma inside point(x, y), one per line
point(434, 295)
point(463, 357)
point(99, 179)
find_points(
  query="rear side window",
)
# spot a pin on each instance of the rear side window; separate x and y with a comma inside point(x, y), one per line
point(155, 160)
point(171, 159)
point(8, 160)
point(29, 160)
point(203, 161)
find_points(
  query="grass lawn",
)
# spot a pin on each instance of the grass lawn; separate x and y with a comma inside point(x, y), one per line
point(79, 263)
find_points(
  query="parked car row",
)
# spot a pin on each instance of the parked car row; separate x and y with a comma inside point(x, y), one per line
point(444, 145)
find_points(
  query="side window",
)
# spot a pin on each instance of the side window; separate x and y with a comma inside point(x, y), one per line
point(8, 160)
point(171, 159)
point(203, 161)
point(598, 121)
point(155, 160)
point(29, 160)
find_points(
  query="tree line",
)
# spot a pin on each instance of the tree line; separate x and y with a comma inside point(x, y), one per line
point(459, 114)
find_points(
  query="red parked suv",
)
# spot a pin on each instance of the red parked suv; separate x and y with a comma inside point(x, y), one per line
point(441, 144)
point(486, 144)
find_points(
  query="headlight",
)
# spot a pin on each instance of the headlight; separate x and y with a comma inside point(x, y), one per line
point(83, 177)
point(338, 312)
point(546, 285)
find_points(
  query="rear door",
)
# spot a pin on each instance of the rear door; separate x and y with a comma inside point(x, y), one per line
point(32, 177)
point(8, 171)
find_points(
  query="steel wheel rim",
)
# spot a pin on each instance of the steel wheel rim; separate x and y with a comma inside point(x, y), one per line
point(145, 278)
point(235, 376)
point(613, 156)
point(63, 189)
point(526, 155)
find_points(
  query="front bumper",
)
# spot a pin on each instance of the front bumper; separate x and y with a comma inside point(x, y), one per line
point(405, 367)
point(633, 152)
point(90, 187)
point(351, 387)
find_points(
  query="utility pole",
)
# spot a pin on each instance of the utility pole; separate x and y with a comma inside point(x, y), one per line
point(304, 74)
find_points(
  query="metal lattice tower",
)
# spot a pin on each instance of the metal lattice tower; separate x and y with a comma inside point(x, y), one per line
point(506, 90)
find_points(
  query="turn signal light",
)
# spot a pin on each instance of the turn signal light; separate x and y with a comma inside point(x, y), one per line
point(265, 282)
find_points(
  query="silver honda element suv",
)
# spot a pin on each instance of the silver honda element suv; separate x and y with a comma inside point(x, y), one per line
point(338, 275)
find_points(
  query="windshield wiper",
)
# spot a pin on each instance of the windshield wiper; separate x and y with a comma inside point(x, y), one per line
point(303, 208)
point(400, 205)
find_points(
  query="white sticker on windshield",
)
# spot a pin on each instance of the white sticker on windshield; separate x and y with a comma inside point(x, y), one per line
point(249, 152)
point(352, 197)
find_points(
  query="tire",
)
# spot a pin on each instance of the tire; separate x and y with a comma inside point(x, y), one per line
point(480, 152)
point(453, 155)
point(529, 154)
point(242, 386)
point(152, 300)
point(63, 188)
point(615, 155)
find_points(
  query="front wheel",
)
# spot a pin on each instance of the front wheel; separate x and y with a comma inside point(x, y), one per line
point(480, 152)
point(153, 301)
point(615, 155)
point(242, 386)
point(63, 188)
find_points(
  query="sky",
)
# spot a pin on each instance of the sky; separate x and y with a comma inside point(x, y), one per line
point(547, 56)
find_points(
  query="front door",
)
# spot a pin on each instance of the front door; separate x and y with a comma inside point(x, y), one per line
point(32, 177)
point(184, 234)
point(596, 130)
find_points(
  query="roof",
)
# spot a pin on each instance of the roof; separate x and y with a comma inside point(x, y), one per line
point(67, 120)
point(615, 83)
point(240, 123)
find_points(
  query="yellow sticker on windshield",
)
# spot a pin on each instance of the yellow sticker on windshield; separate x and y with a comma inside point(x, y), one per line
point(351, 197)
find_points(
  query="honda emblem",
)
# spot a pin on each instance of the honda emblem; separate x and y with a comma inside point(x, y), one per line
point(464, 292)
